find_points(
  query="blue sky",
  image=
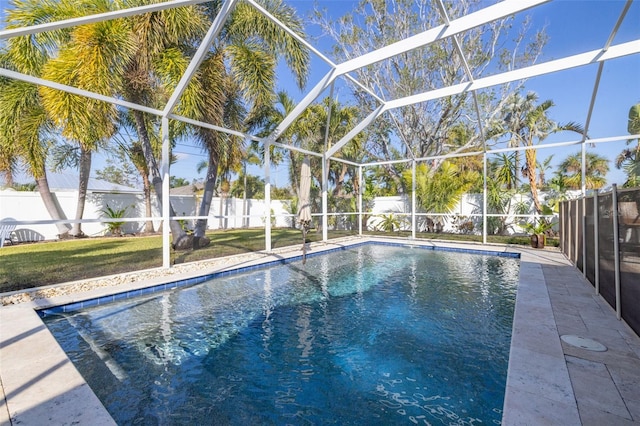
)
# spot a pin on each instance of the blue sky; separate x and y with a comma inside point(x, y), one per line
point(573, 26)
point(577, 26)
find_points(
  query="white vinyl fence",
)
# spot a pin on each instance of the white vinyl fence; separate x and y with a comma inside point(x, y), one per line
point(467, 215)
point(228, 213)
point(28, 207)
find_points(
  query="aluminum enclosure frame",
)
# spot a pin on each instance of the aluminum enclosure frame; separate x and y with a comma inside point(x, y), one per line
point(451, 29)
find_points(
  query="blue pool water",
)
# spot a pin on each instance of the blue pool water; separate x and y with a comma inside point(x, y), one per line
point(369, 335)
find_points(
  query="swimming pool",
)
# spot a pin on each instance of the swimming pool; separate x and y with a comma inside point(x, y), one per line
point(372, 334)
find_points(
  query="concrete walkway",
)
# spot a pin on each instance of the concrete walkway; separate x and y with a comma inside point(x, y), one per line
point(588, 387)
point(606, 384)
point(549, 381)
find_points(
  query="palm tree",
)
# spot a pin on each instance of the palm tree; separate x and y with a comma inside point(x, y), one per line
point(596, 169)
point(557, 191)
point(250, 158)
point(25, 128)
point(282, 107)
point(629, 158)
point(501, 188)
point(543, 167)
point(133, 151)
point(81, 62)
point(340, 119)
point(238, 71)
point(527, 123)
point(439, 190)
point(8, 162)
point(161, 40)
point(84, 63)
point(506, 170)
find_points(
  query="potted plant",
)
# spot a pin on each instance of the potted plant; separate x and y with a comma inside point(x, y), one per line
point(538, 232)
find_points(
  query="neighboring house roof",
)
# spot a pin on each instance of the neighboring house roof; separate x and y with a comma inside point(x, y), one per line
point(192, 189)
point(69, 182)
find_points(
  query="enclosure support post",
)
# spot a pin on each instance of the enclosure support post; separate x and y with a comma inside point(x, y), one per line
point(484, 198)
point(584, 237)
point(583, 171)
point(325, 222)
point(561, 208)
point(584, 208)
point(267, 196)
point(596, 245)
point(413, 199)
point(360, 190)
point(616, 247)
point(166, 228)
point(576, 233)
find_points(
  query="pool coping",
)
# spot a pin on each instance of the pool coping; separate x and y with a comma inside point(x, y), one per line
point(41, 384)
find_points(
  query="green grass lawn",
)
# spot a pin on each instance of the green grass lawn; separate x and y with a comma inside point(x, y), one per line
point(33, 265)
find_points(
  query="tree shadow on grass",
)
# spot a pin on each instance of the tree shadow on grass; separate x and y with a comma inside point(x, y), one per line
point(56, 265)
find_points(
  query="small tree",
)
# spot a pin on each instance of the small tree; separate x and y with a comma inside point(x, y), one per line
point(389, 223)
point(440, 190)
point(114, 227)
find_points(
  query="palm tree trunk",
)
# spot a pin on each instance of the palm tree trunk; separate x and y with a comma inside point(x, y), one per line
point(83, 184)
point(200, 240)
point(294, 172)
point(51, 204)
point(205, 207)
point(530, 156)
point(338, 191)
point(516, 160)
point(146, 185)
point(8, 179)
point(245, 220)
point(181, 241)
point(221, 204)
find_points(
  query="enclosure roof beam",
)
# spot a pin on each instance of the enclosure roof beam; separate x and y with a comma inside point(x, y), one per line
point(456, 155)
point(322, 85)
point(382, 163)
point(467, 70)
point(595, 56)
point(510, 149)
point(488, 14)
point(200, 54)
point(592, 57)
point(297, 149)
point(292, 33)
point(214, 127)
point(98, 17)
point(464, 23)
point(596, 85)
point(354, 132)
point(75, 91)
point(116, 101)
point(342, 160)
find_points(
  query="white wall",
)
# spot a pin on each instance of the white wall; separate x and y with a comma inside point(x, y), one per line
point(470, 204)
point(28, 206)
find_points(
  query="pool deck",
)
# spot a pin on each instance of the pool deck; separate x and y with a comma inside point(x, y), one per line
point(549, 381)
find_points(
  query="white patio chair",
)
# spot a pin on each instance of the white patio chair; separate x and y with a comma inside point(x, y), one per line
point(6, 229)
